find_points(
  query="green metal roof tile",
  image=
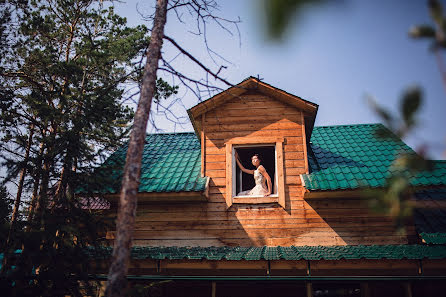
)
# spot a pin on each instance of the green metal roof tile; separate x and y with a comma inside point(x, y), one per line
point(291, 253)
point(374, 182)
point(171, 163)
point(288, 253)
point(272, 253)
point(254, 253)
point(236, 253)
point(343, 184)
point(363, 157)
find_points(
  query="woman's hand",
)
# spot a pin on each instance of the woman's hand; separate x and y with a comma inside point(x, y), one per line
point(249, 171)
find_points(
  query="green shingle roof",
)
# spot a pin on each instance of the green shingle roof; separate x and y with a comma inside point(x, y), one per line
point(291, 252)
point(341, 157)
point(171, 162)
point(353, 156)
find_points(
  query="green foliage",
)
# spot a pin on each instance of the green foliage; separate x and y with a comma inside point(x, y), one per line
point(164, 90)
point(422, 31)
point(395, 198)
point(280, 13)
point(53, 258)
point(435, 33)
point(63, 76)
point(410, 104)
point(5, 211)
point(5, 205)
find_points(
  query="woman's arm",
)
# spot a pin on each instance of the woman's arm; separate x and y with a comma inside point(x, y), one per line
point(241, 166)
point(268, 179)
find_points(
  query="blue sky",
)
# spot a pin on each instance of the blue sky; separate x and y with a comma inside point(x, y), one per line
point(334, 55)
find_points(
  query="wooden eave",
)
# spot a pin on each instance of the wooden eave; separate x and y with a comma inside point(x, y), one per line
point(253, 84)
point(358, 194)
point(359, 269)
point(332, 194)
point(167, 197)
point(164, 197)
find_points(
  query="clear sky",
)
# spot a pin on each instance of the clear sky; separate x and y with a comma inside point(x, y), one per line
point(334, 56)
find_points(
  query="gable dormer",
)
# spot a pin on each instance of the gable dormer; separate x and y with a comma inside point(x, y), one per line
point(253, 118)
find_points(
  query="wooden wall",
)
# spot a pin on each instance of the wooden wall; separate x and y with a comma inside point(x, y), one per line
point(301, 222)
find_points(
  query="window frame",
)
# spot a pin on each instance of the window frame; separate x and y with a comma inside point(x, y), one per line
point(233, 143)
point(234, 169)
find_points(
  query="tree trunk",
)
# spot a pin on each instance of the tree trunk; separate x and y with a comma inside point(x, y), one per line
point(36, 177)
point(48, 161)
point(20, 185)
point(117, 281)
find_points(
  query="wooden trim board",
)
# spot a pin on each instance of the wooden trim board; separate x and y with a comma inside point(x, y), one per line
point(278, 142)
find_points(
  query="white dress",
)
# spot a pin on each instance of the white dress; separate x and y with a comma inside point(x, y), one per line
point(259, 189)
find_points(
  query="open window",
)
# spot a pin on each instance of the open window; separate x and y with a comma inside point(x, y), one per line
point(270, 150)
point(245, 181)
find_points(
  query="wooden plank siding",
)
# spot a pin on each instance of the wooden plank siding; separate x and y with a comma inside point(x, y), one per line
point(301, 222)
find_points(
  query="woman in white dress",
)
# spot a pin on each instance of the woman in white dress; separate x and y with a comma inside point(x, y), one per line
point(261, 188)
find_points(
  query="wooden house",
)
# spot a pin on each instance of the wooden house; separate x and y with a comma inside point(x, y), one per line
point(313, 236)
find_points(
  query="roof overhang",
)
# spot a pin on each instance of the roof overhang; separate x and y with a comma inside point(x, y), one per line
point(248, 85)
point(384, 262)
point(167, 197)
point(163, 197)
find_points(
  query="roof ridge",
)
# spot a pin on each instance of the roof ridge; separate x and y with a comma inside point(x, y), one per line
point(350, 125)
point(170, 133)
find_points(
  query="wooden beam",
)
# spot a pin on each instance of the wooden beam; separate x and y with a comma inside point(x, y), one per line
point(304, 142)
point(228, 175)
point(214, 289)
point(288, 265)
point(358, 194)
point(333, 194)
point(408, 289)
point(288, 98)
point(365, 289)
point(217, 100)
point(164, 197)
point(428, 204)
point(309, 287)
point(280, 173)
point(203, 147)
point(214, 265)
point(261, 87)
point(366, 264)
point(206, 187)
point(254, 140)
point(255, 200)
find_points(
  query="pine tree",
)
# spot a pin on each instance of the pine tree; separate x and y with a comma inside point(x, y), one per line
point(62, 82)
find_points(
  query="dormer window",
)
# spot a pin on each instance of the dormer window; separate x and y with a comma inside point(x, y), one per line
point(238, 183)
point(245, 184)
point(253, 114)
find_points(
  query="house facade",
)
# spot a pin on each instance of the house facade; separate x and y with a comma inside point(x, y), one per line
point(314, 235)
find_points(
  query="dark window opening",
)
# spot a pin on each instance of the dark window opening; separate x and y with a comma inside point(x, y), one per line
point(267, 154)
point(336, 290)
